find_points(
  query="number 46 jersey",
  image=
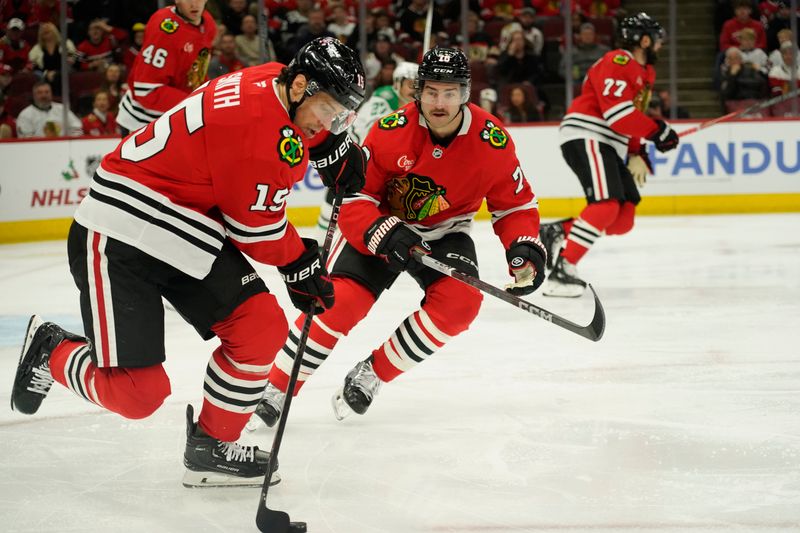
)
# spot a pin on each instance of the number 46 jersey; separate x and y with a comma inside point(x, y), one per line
point(611, 106)
point(219, 165)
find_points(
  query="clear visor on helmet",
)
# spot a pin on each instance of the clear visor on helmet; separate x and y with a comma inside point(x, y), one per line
point(443, 94)
point(334, 116)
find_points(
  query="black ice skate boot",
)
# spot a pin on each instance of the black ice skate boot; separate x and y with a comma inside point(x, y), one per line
point(563, 281)
point(360, 387)
point(213, 463)
point(268, 409)
point(553, 236)
point(33, 379)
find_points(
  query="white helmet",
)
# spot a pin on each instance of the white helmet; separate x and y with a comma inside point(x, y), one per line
point(405, 70)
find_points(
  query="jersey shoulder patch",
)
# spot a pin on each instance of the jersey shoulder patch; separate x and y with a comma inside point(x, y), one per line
point(621, 59)
point(392, 121)
point(169, 25)
point(494, 135)
point(290, 146)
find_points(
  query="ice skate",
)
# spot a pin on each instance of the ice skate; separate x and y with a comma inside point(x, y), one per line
point(563, 281)
point(268, 409)
point(33, 379)
point(360, 387)
point(553, 237)
point(213, 463)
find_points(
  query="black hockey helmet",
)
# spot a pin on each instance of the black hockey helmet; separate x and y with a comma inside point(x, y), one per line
point(449, 65)
point(330, 67)
point(633, 28)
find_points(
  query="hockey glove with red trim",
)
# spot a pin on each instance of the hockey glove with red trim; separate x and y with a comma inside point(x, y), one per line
point(341, 163)
point(664, 137)
point(393, 240)
point(307, 280)
point(526, 259)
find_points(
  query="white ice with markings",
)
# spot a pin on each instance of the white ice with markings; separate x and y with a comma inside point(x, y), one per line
point(684, 418)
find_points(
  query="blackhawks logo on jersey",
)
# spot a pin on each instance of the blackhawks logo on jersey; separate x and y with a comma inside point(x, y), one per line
point(394, 120)
point(494, 135)
point(290, 147)
point(169, 25)
point(414, 197)
point(621, 59)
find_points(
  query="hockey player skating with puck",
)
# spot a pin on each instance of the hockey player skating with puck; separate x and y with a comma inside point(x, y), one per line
point(171, 213)
point(604, 126)
point(432, 164)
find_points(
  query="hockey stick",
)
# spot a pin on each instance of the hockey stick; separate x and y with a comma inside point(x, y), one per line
point(270, 520)
point(750, 109)
point(592, 331)
point(426, 38)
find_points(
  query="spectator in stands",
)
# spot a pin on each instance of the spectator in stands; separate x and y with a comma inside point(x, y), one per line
point(527, 17)
point(383, 24)
point(225, 59)
point(135, 46)
point(750, 54)
point(598, 8)
point(780, 21)
point(340, 24)
point(488, 100)
point(247, 45)
point(732, 28)
point(315, 28)
point(381, 54)
point(14, 50)
point(101, 121)
point(500, 9)
point(6, 75)
point(8, 126)
point(44, 118)
point(517, 63)
point(584, 54)
point(46, 54)
point(20, 9)
point(298, 17)
point(740, 81)
point(665, 104)
point(114, 86)
point(547, 8)
point(97, 51)
point(479, 41)
point(780, 75)
point(520, 109)
point(232, 15)
point(775, 56)
point(412, 20)
point(48, 11)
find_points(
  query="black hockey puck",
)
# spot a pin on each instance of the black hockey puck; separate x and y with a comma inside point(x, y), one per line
point(297, 527)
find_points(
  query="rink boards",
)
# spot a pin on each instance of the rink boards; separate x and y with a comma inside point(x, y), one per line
point(735, 167)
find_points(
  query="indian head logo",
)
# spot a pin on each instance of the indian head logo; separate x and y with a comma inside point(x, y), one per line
point(494, 135)
point(290, 147)
point(394, 120)
point(415, 198)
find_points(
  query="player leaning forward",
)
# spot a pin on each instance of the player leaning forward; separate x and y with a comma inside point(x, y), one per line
point(171, 213)
point(433, 162)
point(602, 127)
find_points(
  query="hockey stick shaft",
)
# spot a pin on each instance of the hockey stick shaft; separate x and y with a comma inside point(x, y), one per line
point(750, 109)
point(592, 331)
point(263, 518)
point(426, 38)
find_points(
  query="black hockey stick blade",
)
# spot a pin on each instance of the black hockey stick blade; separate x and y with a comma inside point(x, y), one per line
point(592, 331)
point(271, 521)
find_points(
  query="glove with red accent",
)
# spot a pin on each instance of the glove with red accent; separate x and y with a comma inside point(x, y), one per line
point(341, 163)
point(664, 137)
point(307, 280)
point(393, 240)
point(526, 259)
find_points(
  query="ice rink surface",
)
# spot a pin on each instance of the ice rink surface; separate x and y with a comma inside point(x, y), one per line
point(685, 417)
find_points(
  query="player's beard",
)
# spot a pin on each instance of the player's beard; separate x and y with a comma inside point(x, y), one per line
point(651, 56)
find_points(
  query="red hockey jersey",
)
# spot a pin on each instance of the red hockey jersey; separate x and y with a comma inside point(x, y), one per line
point(436, 189)
point(172, 63)
point(610, 108)
point(219, 164)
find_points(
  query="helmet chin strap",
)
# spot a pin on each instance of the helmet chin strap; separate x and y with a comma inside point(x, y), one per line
point(293, 105)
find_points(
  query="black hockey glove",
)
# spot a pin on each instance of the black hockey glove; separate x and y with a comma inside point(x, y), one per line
point(665, 137)
point(307, 280)
point(341, 163)
point(526, 258)
point(393, 240)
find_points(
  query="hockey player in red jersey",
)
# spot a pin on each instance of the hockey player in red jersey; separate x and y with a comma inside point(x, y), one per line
point(603, 127)
point(173, 62)
point(433, 162)
point(171, 213)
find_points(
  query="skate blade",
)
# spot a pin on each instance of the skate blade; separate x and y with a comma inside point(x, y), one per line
point(193, 480)
point(254, 423)
point(340, 408)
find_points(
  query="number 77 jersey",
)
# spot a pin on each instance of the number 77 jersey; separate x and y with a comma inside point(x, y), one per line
point(611, 106)
point(218, 166)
